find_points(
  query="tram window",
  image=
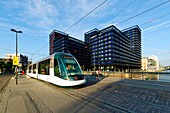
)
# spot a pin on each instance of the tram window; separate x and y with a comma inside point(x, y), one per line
point(44, 67)
point(30, 69)
point(72, 67)
point(34, 68)
point(56, 68)
point(63, 74)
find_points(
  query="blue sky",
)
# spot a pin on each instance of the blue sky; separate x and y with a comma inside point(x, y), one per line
point(38, 18)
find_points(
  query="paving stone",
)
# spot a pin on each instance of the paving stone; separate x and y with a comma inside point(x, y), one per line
point(157, 110)
point(165, 102)
point(163, 111)
point(136, 99)
point(150, 109)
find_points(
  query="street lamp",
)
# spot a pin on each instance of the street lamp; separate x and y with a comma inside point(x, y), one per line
point(16, 67)
point(94, 61)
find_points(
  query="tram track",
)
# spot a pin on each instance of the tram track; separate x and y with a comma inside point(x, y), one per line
point(125, 97)
point(98, 104)
point(137, 98)
point(122, 98)
point(4, 80)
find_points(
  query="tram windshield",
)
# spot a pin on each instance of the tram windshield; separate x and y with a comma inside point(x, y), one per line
point(72, 67)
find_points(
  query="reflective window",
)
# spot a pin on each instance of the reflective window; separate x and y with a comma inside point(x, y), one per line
point(62, 71)
point(56, 68)
point(30, 69)
point(44, 67)
point(34, 68)
point(72, 67)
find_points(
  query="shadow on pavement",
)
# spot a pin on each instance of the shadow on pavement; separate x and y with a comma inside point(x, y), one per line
point(91, 80)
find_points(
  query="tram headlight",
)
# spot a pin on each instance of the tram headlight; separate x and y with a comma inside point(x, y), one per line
point(75, 78)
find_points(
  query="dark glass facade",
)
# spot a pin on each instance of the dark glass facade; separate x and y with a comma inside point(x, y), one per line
point(89, 34)
point(134, 33)
point(62, 42)
point(111, 50)
point(24, 62)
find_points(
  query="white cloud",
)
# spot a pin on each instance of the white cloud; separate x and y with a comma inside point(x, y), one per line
point(40, 13)
point(3, 25)
point(31, 14)
point(163, 24)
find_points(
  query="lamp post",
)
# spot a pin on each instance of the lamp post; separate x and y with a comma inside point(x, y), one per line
point(16, 67)
point(94, 61)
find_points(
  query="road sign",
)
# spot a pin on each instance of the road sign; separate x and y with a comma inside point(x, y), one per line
point(15, 61)
point(20, 65)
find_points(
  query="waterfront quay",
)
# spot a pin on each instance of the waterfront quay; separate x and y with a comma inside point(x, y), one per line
point(107, 95)
point(156, 76)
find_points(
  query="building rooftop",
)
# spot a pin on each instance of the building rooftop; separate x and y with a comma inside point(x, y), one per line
point(91, 31)
point(57, 31)
point(132, 27)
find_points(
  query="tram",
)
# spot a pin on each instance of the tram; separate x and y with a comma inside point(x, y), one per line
point(61, 69)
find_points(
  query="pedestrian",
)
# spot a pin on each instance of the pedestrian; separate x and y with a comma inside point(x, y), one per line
point(98, 74)
point(22, 72)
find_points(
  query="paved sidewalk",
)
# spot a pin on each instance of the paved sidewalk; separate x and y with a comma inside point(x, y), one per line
point(108, 95)
point(131, 96)
point(33, 96)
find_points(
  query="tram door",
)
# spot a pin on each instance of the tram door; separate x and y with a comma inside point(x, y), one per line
point(44, 70)
point(59, 70)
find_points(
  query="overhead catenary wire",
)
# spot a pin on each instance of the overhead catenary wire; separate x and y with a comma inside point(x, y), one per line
point(151, 20)
point(115, 24)
point(5, 49)
point(39, 50)
point(75, 23)
point(143, 12)
point(86, 15)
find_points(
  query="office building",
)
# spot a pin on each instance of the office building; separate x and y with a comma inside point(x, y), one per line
point(11, 56)
point(144, 62)
point(7, 63)
point(110, 50)
point(150, 63)
point(23, 60)
point(134, 33)
point(155, 59)
point(62, 42)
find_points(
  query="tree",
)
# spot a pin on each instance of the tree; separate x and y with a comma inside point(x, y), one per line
point(6, 66)
point(1, 65)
